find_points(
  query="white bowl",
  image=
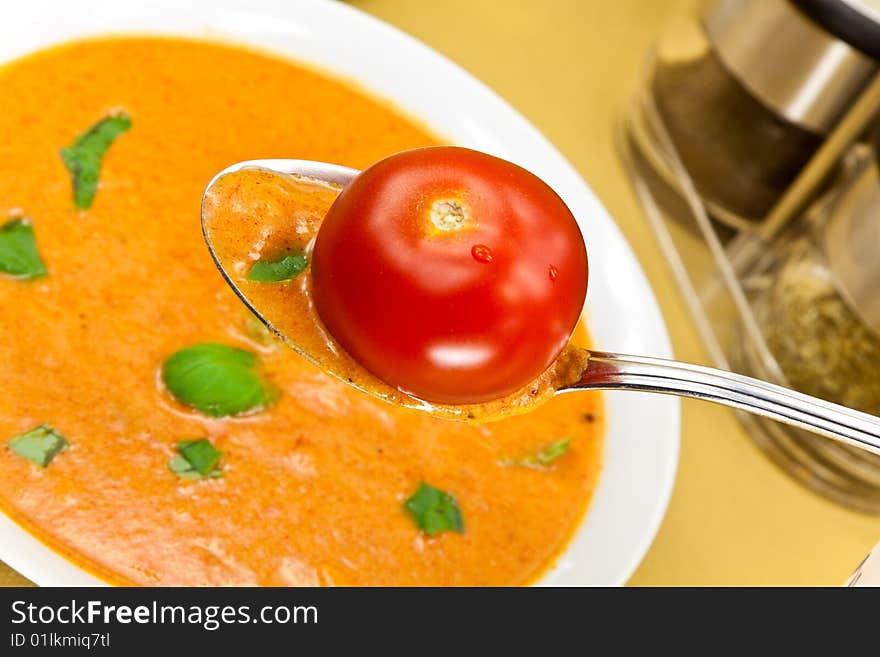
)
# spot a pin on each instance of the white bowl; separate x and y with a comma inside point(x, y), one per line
point(642, 430)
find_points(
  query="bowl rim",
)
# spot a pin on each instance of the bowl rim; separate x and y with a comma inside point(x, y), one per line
point(638, 475)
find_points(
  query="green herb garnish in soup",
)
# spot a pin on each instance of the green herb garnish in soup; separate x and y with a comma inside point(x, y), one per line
point(217, 380)
point(83, 158)
point(434, 510)
point(278, 271)
point(39, 445)
point(196, 459)
point(18, 250)
point(545, 456)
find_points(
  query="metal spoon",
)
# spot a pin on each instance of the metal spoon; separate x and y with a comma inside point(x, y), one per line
point(610, 371)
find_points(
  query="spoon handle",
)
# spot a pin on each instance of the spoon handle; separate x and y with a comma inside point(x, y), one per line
point(621, 372)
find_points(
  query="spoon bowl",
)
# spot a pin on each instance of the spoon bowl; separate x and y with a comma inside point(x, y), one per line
point(575, 369)
point(320, 348)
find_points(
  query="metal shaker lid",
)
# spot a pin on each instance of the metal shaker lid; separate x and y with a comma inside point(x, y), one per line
point(855, 21)
point(788, 61)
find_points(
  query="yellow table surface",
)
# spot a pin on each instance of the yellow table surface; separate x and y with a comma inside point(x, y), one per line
point(569, 65)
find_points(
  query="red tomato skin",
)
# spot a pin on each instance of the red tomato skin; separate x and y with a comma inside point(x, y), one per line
point(450, 316)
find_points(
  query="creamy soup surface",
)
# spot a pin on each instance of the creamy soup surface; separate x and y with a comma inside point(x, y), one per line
point(313, 487)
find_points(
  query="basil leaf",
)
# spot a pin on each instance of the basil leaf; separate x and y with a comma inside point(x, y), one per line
point(196, 459)
point(278, 271)
point(183, 468)
point(18, 250)
point(434, 510)
point(83, 158)
point(39, 445)
point(217, 380)
point(201, 454)
point(546, 455)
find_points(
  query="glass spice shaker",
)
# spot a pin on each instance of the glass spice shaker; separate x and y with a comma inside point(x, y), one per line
point(746, 92)
point(815, 299)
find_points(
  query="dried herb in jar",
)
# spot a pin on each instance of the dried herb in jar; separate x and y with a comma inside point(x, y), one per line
point(820, 344)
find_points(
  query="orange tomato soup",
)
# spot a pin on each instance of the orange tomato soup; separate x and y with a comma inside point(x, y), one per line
point(313, 487)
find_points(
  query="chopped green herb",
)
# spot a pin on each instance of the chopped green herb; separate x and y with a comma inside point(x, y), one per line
point(545, 456)
point(83, 157)
point(196, 459)
point(278, 271)
point(217, 380)
point(201, 454)
point(39, 445)
point(18, 250)
point(434, 510)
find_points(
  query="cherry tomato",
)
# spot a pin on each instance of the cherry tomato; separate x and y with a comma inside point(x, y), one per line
point(450, 274)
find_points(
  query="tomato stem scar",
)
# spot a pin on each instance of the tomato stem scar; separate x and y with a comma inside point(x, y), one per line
point(447, 215)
